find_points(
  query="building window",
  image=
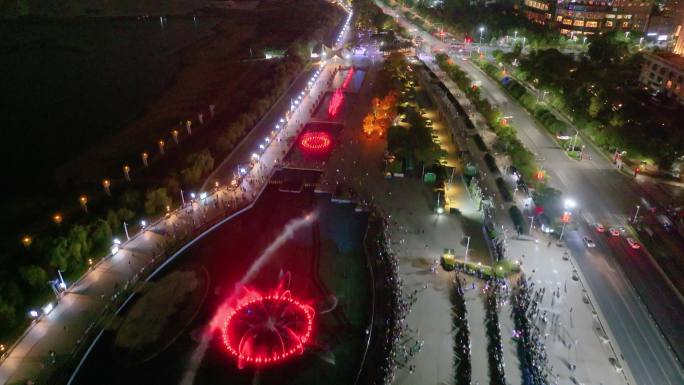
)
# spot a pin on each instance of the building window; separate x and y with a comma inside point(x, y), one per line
point(610, 16)
point(567, 21)
point(559, 18)
point(578, 23)
point(591, 24)
point(625, 24)
point(609, 23)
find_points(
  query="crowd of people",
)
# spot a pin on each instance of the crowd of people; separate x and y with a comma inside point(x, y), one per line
point(533, 356)
point(495, 292)
point(397, 308)
point(463, 369)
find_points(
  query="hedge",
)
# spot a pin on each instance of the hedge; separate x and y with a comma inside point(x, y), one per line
point(491, 163)
point(518, 220)
point(505, 193)
point(480, 143)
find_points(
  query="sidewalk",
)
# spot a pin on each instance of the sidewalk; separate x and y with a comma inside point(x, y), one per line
point(575, 332)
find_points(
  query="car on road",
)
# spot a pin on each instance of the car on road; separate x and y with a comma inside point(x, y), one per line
point(599, 227)
point(589, 242)
point(614, 232)
point(633, 243)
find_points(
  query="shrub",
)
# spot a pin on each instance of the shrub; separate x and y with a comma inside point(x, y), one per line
point(505, 193)
point(491, 163)
point(480, 143)
point(518, 220)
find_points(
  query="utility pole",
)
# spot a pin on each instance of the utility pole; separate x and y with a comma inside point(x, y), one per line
point(531, 223)
point(467, 247)
point(636, 214)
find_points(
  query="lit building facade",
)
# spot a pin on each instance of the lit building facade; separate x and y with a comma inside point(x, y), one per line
point(664, 73)
point(588, 17)
point(539, 11)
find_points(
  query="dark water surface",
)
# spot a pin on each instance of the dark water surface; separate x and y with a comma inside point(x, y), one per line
point(69, 84)
point(324, 254)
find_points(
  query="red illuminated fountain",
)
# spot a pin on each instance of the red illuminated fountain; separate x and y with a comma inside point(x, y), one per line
point(265, 329)
point(315, 141)
point(348, 78)
point(335, 102)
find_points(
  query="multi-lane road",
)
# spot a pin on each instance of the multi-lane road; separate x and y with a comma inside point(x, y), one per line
point(609, 197)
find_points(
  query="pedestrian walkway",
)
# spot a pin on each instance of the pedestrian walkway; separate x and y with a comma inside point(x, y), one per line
point(575, 334)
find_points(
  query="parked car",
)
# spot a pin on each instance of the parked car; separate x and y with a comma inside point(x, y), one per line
point(614, 232)
point(599, 227)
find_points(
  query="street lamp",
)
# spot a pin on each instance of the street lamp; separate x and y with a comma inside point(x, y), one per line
point(467, 247)
point(481, 32)
point(83, 200)
point(636, 214)
point(105, 185)
point(57, 218)
point(26, 240)
point(569, 204)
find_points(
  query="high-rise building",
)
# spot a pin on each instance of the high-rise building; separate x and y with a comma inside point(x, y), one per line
point(663, 73)
point(588, 17)
point(679, 44)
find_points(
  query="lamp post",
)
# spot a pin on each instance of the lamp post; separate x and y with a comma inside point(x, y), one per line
point(127, 172)
point(83, 200)
point(467, 248)
point(125, 225)
point(531, 223)
point(481, 33)
point(636, 214)
point(105, 184)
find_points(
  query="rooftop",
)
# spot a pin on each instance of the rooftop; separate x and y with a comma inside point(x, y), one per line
point(671, 58)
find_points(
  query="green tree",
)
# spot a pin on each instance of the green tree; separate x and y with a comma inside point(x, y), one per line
point(607, 48)
point(156, 201)
point(59, 253)
point(595, 106)
point(100, 236)
point(131, 199)
point(79, 244)
point(8, 314)
point(198, 165)
point(34, 276)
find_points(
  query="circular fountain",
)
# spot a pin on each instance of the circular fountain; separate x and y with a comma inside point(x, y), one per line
point(262, 330)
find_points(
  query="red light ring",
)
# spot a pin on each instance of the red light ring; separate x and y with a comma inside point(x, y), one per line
point(302, 337)
point(316, 141)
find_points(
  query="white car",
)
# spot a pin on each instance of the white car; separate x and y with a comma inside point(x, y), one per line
point(589, 242)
